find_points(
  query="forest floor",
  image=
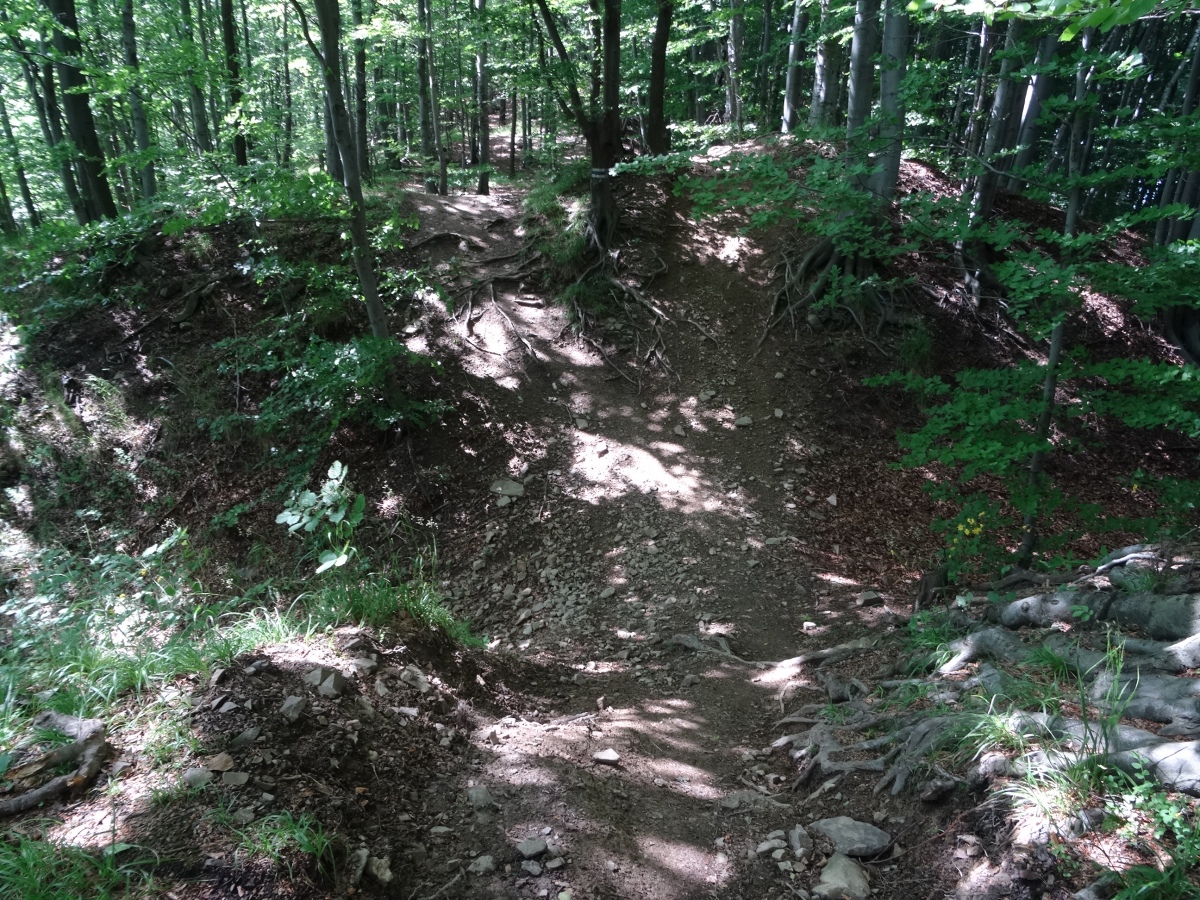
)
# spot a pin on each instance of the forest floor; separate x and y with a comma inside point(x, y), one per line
point(678, 534)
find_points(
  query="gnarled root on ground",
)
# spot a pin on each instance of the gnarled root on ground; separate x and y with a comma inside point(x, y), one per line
point(89, 747)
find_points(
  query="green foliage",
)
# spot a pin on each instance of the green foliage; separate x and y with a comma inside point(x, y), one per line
point(268, 192)
point(277, 837)
point(915, 350)
point(318, 386)
point(336, 511)
point(40, 870)
point(1144, 811)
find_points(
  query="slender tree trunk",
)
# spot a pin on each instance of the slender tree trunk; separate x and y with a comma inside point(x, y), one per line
point(288, 124)
point(18, 166)
point(195, 95)
point(658, 140)
point(424, 100)
point(892, 65)
point(329, 24)
point(360, 93)
point(791, 86)
point(1001, 114)
point(137, 111)
point(8, 225)
point(484, 100)
point(97, 195)
point(1035, 95)
point(827, 82)
point(733, 87)
point(71, 174)
point(763, 72)
point(234, 77)
point(512, 137)
point(861, 88)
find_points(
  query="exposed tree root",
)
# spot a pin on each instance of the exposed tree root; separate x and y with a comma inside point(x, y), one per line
point(89, 748)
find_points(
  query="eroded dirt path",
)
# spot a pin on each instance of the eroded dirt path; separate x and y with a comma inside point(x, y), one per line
point(668, 544)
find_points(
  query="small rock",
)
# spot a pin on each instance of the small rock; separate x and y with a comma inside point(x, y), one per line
point(244, 739)
point(197, 777)
point(531, 848)
point(244, 816)
point(937, 789)
point(482, 865)
point(504, 501)
point(852, 838)
point(831, 499)
point(235, 779)
point(364, 666)
point(778, 413)
point(492, 736)
point(770, 846)
point(581, 424)
point(778, 375)
point(317, 675)
point(332, 686)
point(678, 429)
point(506, 487)
point(689, 680)
point(415, 678)
point(557, 863)
point(867, 598)
point(743, 421)
point(609, 757)
point(842, 879)
point(217, 676)
point(480, 797)
point(356, 865)
point(477, 565)
point(380, 869)
point(801, 843)
point(531, 867)
point(607, 592)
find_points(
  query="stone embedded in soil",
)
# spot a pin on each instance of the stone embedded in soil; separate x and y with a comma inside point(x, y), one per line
point(608, 757)
point(531, 867)
point(317, 675)
point(356, 865)
point(842, 879)
point(557, 863)
point(482, 865)
point(531, 848)
point(678, 429)
point(380, 869)
point(801, 843)
point(247, 737)
point(197, 777)
point(743, 421)
point(244, 816)
point(581, 424)
point(506, 487)
point(364, 666)
point(292, 708)
point(333, 685)
point(235, 779)
point(770, 846)
point(480, 797)
point(851, 837)
point(607, 592)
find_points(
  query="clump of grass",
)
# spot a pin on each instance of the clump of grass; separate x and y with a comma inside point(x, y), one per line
point(278, 836)
point(40, 870)
point(916, 349)
point(376, 602)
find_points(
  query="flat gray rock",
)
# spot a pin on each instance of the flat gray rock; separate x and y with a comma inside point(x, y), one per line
point(801, 843)
point(333, 685)
point(842, 879)
point(506, 487)
point(531, 848)
point(609, 757)
point(197, 777)
point(743, 421)
point(235, 779)
point(380, 869)
point(851, 837)
point(246, 738)
point(480, 797)
point(482, 865)
point(356, 865)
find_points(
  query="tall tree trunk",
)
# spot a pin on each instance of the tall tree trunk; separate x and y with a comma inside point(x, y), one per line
point(658, 140)
point(72, 173)
point(195, 95)
point(791, 85)
point(424, 100)
point(96, 194)
point(333, 155)
point(891, 107)
point(733, 86)
point(512, 137)
point(18, 166)
point(234, 76)
point(483, 100)
point(1001, 114)
point(329, 24)
point(288, 124)
point(763, 72)
point(861, 88)
point(827, 82)
point(360, 93)
point(1036, 93)
point(137, 111)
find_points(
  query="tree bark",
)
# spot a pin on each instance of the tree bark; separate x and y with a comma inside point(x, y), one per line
point(827, 82)
point(483, 101)
point(234, 76)
point(993, 144)
point(892, 65)
point(329, 25)
point(791, 87)
point(658, 139)
point(360, 94)
point(96, 194)
point(288, 123)
point(137, 111)
point(195, 95)
point(733, 87)
point(1035, 95)
point(19, 167)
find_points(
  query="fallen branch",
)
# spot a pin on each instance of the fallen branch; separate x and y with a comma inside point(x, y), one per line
point(89, 747)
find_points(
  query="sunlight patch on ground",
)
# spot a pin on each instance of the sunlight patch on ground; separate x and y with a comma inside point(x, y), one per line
point(684, 861)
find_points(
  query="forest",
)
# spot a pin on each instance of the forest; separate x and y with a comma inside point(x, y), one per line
point(599, 449)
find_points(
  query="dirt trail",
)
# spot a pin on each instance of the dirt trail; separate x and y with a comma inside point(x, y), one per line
point(697, 508)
